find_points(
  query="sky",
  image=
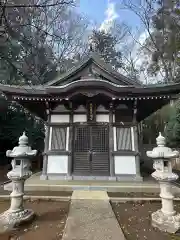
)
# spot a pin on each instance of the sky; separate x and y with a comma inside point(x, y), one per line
point(102, 14)
point(101, 11)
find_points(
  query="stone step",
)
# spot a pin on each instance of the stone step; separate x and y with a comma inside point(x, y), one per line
point(90, 195)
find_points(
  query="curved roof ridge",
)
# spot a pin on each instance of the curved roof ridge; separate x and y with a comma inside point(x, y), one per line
point(94, 57)
point(117, 73)
point(91, 79)
point(69, 72)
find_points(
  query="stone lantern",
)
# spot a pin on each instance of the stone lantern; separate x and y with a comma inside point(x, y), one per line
point(21, 155)
point(166, 219)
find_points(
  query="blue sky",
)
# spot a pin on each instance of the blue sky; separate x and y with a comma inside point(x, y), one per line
point(99, 10)
point(104, 12)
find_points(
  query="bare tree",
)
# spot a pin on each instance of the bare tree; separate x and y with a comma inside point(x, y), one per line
point(156, 43)
point(44, 32)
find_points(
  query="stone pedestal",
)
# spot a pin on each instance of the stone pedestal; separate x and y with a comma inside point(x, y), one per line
point(167, 199)
point(166, 219)
point(165, 223)
point(16, 214)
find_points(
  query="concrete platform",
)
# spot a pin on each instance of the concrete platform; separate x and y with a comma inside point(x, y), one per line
point(35, 184)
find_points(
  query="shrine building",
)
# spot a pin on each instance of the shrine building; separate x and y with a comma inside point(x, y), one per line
point(92, 115)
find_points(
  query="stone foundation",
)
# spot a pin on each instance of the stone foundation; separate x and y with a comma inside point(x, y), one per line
point(165, 223)
point(12, 219)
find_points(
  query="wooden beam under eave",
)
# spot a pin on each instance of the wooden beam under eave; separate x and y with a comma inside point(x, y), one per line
point(35, 107)
point(148, 106)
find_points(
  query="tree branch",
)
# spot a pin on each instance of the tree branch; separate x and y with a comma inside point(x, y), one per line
point(62, 2)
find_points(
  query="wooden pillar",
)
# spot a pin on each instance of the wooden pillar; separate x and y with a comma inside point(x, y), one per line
point(111, 143)
point(135, 130)
point(136, 139)
point(70, 156)
point(46, 144)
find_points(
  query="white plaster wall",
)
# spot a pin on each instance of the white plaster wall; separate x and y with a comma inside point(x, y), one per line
point(79, 118)
point(125, 164)
point(60, 118)
point(57, 164)
point(102, 118)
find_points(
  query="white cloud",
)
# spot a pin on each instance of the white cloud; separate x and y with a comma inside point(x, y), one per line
point(111, 16)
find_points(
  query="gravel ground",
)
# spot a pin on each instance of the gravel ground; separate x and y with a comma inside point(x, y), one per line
point(47, 225)
point(135, 221)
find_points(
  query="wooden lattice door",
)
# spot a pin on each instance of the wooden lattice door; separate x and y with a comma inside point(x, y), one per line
point(91, 150)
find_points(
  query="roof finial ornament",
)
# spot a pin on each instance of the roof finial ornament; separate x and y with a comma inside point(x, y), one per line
point(91, 47)
point(160, 140)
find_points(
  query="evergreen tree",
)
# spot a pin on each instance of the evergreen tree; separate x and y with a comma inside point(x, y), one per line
point(156, 123)
point(164, 41)
point(14, 120)
point(172, 131)
point(105, 45)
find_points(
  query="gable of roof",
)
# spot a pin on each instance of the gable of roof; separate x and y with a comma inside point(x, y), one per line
point(93, 66)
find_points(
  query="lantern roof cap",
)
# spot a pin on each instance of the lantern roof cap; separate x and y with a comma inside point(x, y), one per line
point(161, 151)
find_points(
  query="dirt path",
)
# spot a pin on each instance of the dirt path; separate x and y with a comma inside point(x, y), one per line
point(48, 225)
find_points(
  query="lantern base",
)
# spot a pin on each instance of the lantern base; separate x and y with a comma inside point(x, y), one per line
point(9, 219)
point(165, 223)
